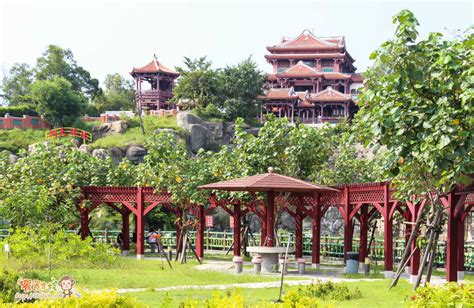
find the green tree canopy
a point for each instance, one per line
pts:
(16, 85)
(119, 94)
(57, 101)
(418, 104)
(57, 61)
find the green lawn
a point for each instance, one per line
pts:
(131, 273)
(374, 294)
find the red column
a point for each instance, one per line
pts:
(316, 239)
(388, 232)
(461, 243)
(200, 232)
(125, 231)
(140, 225)
(270, 228)
(415, 260)
(364, 219)
(237, 217)
(347, 224)
(84, 223)
(298, 235)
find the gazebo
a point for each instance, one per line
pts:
(271, 183)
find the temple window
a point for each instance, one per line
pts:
(310, 63)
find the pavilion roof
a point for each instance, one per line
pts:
(329, 95)
(267, 182)
(154, 67)
(300, 69)
(308, 41)
(304, 103)
(279, 94)
(305, 56)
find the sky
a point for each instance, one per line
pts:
(108, 36)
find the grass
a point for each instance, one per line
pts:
(374, 294)
(134, 135)
(131, 273)
(14, 140)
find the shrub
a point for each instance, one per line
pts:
(330, 291)
(18, 111)
(50, 247)
(448, 295)
(210, 112)
(97, 299)
(8, 285)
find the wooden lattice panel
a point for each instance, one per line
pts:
(470, 199)
(331, 199)
(366, 196)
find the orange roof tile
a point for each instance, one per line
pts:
(299, 70)
(267, 182)
(154, 67)
(357, 78)
(329, 95)
(336, 75)
(305, 56)
(306, 40)
(279, 94)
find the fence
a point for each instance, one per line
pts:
(331, 247)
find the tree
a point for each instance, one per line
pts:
(17, 85)
(418, 104)
(239, 87)
(43, 186)
(57, 101)
(57, 61)
(197, 82)
(119, 94)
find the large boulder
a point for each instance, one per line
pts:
(101, 153)
(12, 158)
(197, 137)
(117, 154)
(185, 119)
(107, 129)
(135, 154)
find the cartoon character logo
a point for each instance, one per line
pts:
(66, 283)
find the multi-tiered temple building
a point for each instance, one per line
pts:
(160, 80)
(313, 80)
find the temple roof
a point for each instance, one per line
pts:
(307, 40)
(329, 95)
(300, 69)
(304, 103)
(336, 75)
(154, 67)
(305, 56)
(357, 78)
(279, 94)
(267, 182)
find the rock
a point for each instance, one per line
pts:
(185, 119)
(12, 158)
(135, 153)
(107, 129)
(84, 148)
(197, 137)
(117, 154)
(101, 153)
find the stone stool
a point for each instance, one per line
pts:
(257, 264)
(283, 265)
(301, 265)
(238, 263)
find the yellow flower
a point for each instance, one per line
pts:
(401, 160)
(216, 173)
(179, 179)
(456, 122)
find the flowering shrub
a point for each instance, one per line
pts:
(8, 285)
(448, 295)
(97, 299)
(49, 247)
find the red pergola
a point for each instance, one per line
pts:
(300, 199)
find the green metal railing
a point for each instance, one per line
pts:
(332, 247)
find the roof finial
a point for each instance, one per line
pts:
(270, 169)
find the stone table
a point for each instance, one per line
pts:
(269, 255)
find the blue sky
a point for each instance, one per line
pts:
(114, 36)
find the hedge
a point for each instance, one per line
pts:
(18, 111)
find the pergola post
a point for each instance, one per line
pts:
(125, 231)
(461, 247)
(298, 235)
(414, 211)
(316, 224)
(237, 224)
(452, 241)
(388, 234)
(84, 223)
(364, 220)
(200, 231)
(270, 228)
(140, 225)
(347, 224)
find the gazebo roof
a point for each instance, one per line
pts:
(267, 182)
